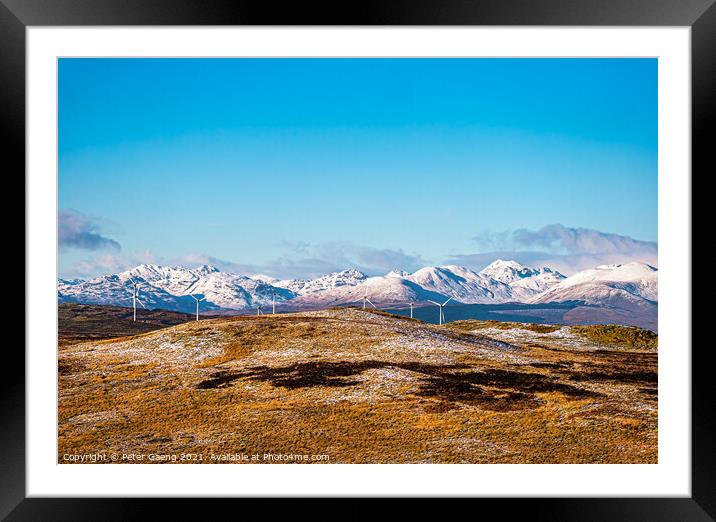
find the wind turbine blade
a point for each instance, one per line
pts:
(446, 302)
(371, 303)
(200, 300)
(436, 304)
(141, 303)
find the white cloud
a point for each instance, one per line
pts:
(301, 260)
(560, 239)
(109, 264)
(556, 246)
(566, 249)
(310, 260)
(80, 231)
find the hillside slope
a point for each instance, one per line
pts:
(356, 386)
(81, 322)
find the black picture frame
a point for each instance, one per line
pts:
(699, 15)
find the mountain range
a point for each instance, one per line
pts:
(616, 286)
(171, 287)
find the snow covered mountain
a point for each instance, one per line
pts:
(348, 277)
(618, 286)
(508, 271)
(432, 284)
(524, 282)
(501, 282)
(463, 284)
(116, 290)
(171, 288)
(382, 291)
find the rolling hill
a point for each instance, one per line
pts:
(354, 386)
(78, 322)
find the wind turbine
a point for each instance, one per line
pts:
(411, 310)
(258, 310)
(273, 302)
(366, 300)
(197, 305)
(442, 312)
(135, 297)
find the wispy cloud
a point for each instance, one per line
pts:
(195, 259)
(300, 260)
(562, 248)
(557, 246)
(77, 230)
(102, 264)
(309, 260)
(98, 265)
(560, 239)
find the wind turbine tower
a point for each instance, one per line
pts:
(411, 310)
(197, 305)
(135, 297)
(273, 302)
(441, 320)
(366, 300)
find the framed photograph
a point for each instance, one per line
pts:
(303, 253)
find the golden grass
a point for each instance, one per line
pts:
(359, 387)
(625, 336)
(474, 324)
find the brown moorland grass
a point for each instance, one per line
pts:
(358, 386)
(79, 322)
(598, 335)
(626, 336)
(475, 324)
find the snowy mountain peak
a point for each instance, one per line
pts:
(350, 273)
(508, 271)
(447, 272)
(631, 267)
(618, 272)
(349, 277)
(503, 263)
(151, 272)
(515, 274)
(615, 285)
(264, 278)
(207, 269)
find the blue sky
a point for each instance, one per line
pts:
(297, 166)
